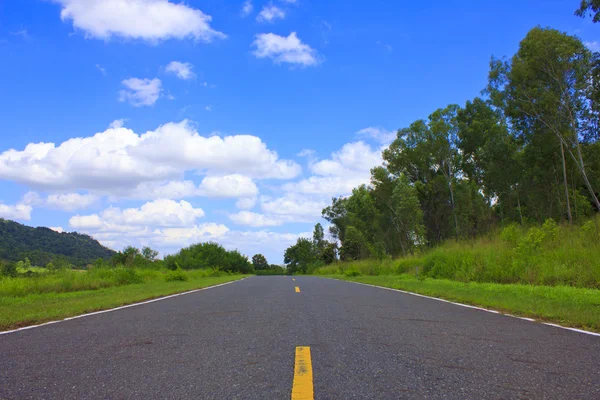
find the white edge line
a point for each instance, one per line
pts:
(479, 308)
(118, 308)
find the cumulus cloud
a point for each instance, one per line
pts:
(235, 185)
(270, 13)
(150, 20)
(247, 8)
(60, 201)
(19, 211)
(380, 134)
(283, 49)
(246, 203)
(295, 207)
(141, 92)
(158, 213)
(58, 229)
(117, 159)
(183, 70)
(337, 175)
(253, 219)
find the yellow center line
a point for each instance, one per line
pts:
(297, 289)
(302, 389)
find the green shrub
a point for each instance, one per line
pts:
(511, 235)
(352, 273)
(176, 276)
(589, 232)
(126, 276)
(8, 268)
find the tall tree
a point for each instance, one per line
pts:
(545, 88)
(589, 7)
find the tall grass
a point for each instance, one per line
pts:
(93, 279)
(550, 255)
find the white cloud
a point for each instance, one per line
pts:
(593, 46)
(19, 211)
(295, 207)
(117, 123)
(118, 159)
(327, 185)
(58, 229)
(60, 201)
(335, 176)
(161, 213)
(338, 175)
(246, 203)
(290, 1)
(283, 49)
(235, 185)
(270, 13)
(208, 108)
(183, 70)
(157, 190)
(254, 219)
(101, 69)
(151, 20)
(380, 134)
(247, 8)
(22, 33)
(70, 201)
(180, 237)
(141, 92)
(353, 158)
(386, 46)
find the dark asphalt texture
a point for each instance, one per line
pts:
(238, 342)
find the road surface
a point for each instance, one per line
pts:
(241, 341)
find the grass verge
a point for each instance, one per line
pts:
(565, 305)
(20, 311)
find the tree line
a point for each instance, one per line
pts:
(526, 151)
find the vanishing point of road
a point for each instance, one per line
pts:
(300, 338)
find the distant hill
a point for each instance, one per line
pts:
(43, 245)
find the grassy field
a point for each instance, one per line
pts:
(569, 306)
(32, 300)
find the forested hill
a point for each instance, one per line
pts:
(43, 245)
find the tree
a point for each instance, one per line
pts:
(544, 89)
(407, 215)
(298, 257)
(589, 7)
(260, 262)
(318, 238)
(149, 254)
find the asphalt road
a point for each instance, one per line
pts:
(238, 342)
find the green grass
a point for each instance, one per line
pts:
(552, 255)
(32, 300)
(565, 305)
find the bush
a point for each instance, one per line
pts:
(352, 273)
(8, 268)
(176, 276)
(126, 276)
(511, 235)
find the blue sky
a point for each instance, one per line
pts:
(153, 122)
